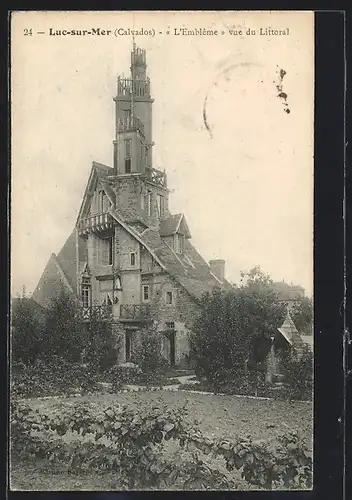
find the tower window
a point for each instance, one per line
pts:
(149, 203)
(160, 204)
(128, 154)
(127, 113)
(145, 293)
(128, 148)
(132, 259)
(128, 165)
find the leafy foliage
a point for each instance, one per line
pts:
(234, 331)
(133, 441)
(102, 343)
(64, 329)
(147, 354)
(302, 314)
(298, 375)
(44, 378)
(27, 332)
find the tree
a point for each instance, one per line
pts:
(235, 329)
(302, 314)
(102, 342)
(64, 329)
(26, 330)
(147, 353)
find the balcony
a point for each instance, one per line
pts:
(135, 312)
(156, 176)
(95, 223)
(137, 88)
(130, 124)
(97, 313)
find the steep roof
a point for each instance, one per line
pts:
(173, 224)
(189, 269)
(289, 331)
(60, 271)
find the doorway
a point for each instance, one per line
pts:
(172, 339)
(128, 345)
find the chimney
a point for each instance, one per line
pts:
(217, 267)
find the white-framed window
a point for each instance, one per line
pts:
(85, 292)
(145, 293)
(127, 114)
(179, 243)
(169, 298)
(133, 259)
(160, 205)
(106, 251)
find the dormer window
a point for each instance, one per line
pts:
(179, 243)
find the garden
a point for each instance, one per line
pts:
(91, 424)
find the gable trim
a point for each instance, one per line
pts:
(61, 272)
(133, 233)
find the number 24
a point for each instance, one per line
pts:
(27, 32)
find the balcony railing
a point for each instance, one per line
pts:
(130, 124)
(135, 312)
(156, 176)
(127, 86)
(95, 223)
(98, 313)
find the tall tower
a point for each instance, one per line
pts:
(140, 188)
(133, 138)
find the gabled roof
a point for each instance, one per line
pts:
(189, 269)
(173, 224)
(289, 331)
(99, 173)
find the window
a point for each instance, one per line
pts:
(133, 259)
(128, 154)
(149, 203)
(85, 292)
(145, 293)
(127, 113)
(106, 251)
(179, 243)
(170, 325)
(103, 202)
(169, 298)
(160, 204)
(128, 148)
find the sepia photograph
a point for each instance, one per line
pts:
(161, 329)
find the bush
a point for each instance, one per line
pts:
(298, 375)
(133, 443)
(127, 373)
(50, 378)
(27, 330)
(147, 355)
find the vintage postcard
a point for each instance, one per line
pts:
(162, 250)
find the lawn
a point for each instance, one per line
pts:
(217, 415)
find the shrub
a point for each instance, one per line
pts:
(50, 378)
(298, 375)
(27, 323)
(135, 442)
(147, 355)
(127, 373)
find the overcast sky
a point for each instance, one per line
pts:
(246, 188)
